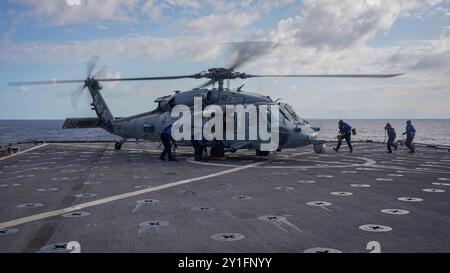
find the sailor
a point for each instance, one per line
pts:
(345, 132)
(391, 137)
(167, 140)
(410, 132)
(9, 150)
(198, 148)
(217, 150)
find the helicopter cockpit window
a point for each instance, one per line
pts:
(166, 103)
(283, 113)
(161, 98)
(282, 117)
(291, 113)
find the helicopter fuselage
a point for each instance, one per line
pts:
(293, 131)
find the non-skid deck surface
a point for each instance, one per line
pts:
(293, 201)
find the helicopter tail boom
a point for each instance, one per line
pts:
(104, 115)
(73, 123)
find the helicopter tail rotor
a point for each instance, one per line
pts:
(75, 96)
(90, 66)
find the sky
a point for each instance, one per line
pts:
(54, 39)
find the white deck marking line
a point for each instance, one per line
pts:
(24, 151)
(368, 163)
(53, 213)
(410, 170)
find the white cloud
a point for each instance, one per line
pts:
(221, 22)
(191, 48)
(59, 13)
(101, 27)
(333, 37)
(326, 37)
(156, 9)
(437, 55)
(342, 24)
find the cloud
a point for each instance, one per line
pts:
(434, 61)
(327, 37)
(319, 37)
(65, 12)
(437, 55)
(191, 48)
(153, 9)
(343, 24)
(334, 37)
(156, 9)
(101, 27)
(221, 22)
(60, 13)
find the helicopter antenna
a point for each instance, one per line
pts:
(240, 87)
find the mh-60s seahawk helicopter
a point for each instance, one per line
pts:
(293, 130)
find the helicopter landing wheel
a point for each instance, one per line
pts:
(262, 153)
(319, 148)
(118, 145)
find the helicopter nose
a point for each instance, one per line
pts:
(302, 136)
(312, 136)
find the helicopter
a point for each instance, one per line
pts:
(293, 130)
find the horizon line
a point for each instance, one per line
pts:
(426, 118)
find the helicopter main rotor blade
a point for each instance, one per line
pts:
(328, 76)
(105, 80)
(247, 51)
(44, 82)
(150, 78)
(206, 83)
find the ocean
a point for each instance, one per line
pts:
(429, 131)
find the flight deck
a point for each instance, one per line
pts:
(292, 201)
